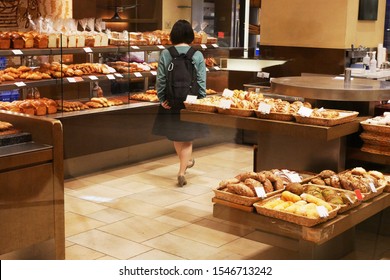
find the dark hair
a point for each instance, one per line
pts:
(182, 32)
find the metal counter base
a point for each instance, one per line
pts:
(330, 240)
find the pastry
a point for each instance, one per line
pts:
(41, 41)
(5, 41)
(28, 40)
(17, 40)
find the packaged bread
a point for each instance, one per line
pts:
(28, 40)
(5, 41)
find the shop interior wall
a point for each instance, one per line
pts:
(313, 35)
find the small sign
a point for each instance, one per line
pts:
(322, 211)
(17, 52)
(372, 187)
(135, 47)
(111, 77)
(161, 47)
(207, 70)
(88, 50)
(264, 108)
(304, 111)
(93, 78)
(20, 84)
(154, 73)
(215, 45)
(138, 74)
(203, 46)
(292, 176)
(118, 75)
(227, 93)
(225, 103)
(191, 99)
(217, 68)
(359, 195)
(260, 192)
(71, 80)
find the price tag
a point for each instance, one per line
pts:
(264, 108)
(207, 70)
(260, 192)
(321, 109)
(191, 99)
(372, 187)
(20, 84)
(135, 47)
(322, 211)
(161, 47)
(78, 79)
(88, 50)
(227, 93)
(304, 111)
(217, 68)
(138, 74)
(111, 77)
(292, 176)
(215, 45)
(203, 46)
(154, 73)
(93, 78)
(359, 195)
(118, 75)
(71, 80)
(225, 103)
(17, 52)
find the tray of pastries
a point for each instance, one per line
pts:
(149, 96)
(327, 117)
(305, 209)
(281, 110)
(378, 124)
(207, 104)
(344, 198)
(249, 187)
(369, 183)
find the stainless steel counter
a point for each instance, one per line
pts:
(332, 88)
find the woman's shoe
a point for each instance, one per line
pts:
(181, 180)
(191, 163)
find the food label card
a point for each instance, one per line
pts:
(225, 104)
(264, 108)
(227, 93)
(260, 192)
(322, 211)
(359, 195)
(304, 111)
(191, 99)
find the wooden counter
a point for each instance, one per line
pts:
(330, 240)
(288, 145)
(32, 191)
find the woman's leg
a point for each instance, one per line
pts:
(184, 151)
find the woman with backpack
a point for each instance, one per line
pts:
(181, 72)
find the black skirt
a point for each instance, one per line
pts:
(168, 124)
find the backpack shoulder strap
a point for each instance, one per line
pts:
(190, 53)
(173, 51)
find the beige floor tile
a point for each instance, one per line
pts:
(99, 178)
(178, 219)
(153, 180)
(205, 235)
(231, 228)
(77, 252)
(137, 207)
(204, 199)
(156, 255)
(76, 183)
(99, 193)
(107, 258)
(274, 253)
(109, 215)
(182, 247)
(75, 224)
(81, 206)
(192, 208)
(245, 247)
(160, 196)
(109, 244)
(225, 255)
(193, 188)
(135, 187)
(68, 243)
(137, 229)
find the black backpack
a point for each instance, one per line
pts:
(181, 77)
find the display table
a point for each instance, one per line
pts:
(290, 145)
(32, 191)
(330, 240)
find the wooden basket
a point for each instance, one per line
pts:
(200, 107)
(275, 116)
(376, 149)
(236, 112)
(348, 116)
(374, 139)
(375, 128)
(235, 198)
(290, 217)
(343, 207)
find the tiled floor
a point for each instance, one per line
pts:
(138, 212)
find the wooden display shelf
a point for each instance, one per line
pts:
(329, 240)
(357, 154)
(279, 127)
